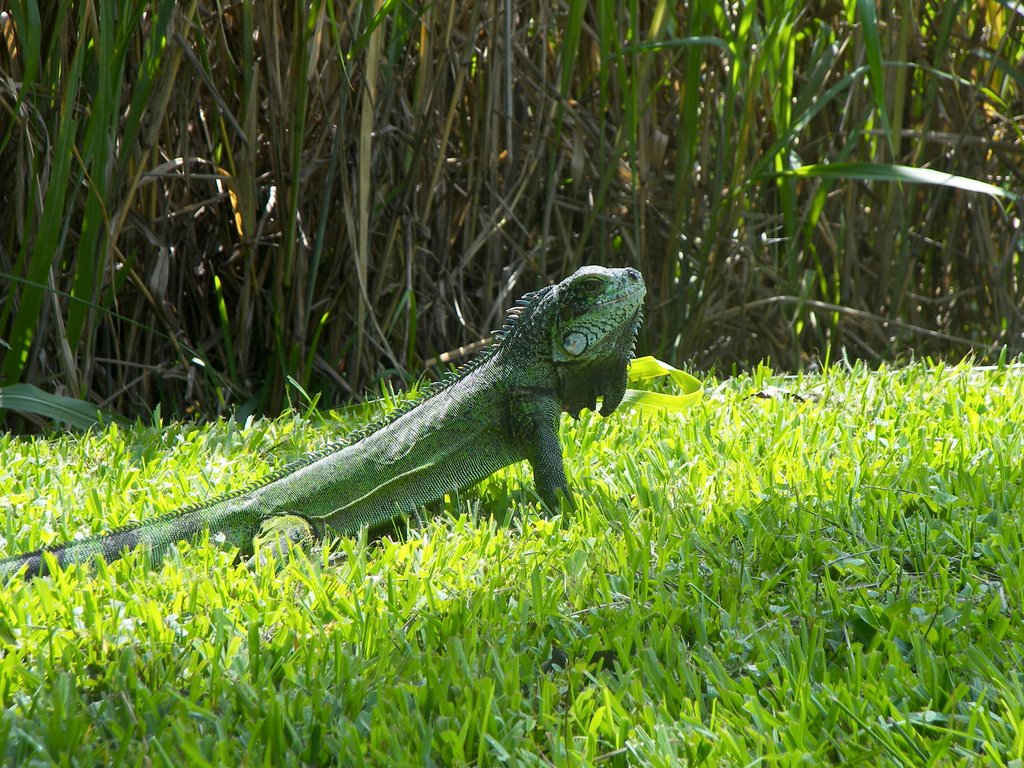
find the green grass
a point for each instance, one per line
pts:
(760, 581)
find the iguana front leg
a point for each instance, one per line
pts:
(278, 535)
(535, 418)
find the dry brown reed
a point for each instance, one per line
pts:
(204, 199)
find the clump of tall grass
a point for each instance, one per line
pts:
(203, 202)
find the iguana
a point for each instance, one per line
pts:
(560, 349)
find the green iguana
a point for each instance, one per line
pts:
(560, 349)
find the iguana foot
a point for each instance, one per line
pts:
(556, 501)
(278, 536)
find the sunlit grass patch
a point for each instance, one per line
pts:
(823, 569)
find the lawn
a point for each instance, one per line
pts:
(827, 572)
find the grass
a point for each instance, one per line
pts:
(833, 580)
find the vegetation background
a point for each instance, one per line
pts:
(207, 205)
(204, 199)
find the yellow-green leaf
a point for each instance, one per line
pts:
(647, 368)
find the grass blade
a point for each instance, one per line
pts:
(40, 255)
(80, 414)
(901, 174)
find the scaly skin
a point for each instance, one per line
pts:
(562, 347)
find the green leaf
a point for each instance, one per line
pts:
(873, 51)
(899, 173)
(647, 368)
(28, 398)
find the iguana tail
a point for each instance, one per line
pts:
(155, 536)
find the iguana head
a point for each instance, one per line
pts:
(581, 332)
(596, 318)
(592, 316)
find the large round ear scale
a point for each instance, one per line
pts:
(575, 343)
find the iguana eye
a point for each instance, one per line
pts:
(591, 285)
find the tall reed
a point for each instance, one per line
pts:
(203, 200)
